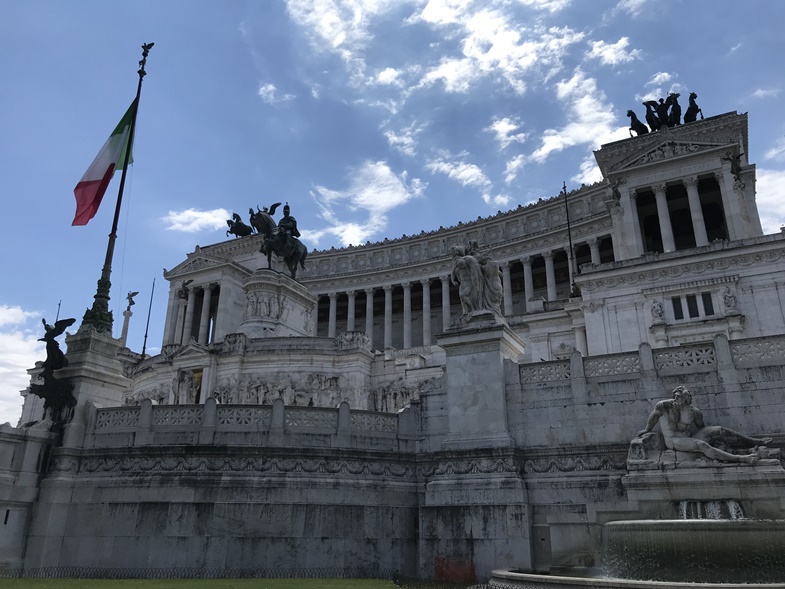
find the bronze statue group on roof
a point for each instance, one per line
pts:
(665, 113)
(279, 239)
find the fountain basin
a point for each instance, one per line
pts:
(509, 579)
(696, 551)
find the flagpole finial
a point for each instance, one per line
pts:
(145, 52)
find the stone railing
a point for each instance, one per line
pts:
(238, 424)
(680, 360)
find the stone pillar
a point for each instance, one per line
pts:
(182, 297)
(594, 246)
(664, 218)
(445, 302)
(172, 307)
(506, 282)
(333, 313)
(350, 311)
(407, 315)
(476, 383)
(528, 283)
(127, 314)
(698, 224)
(632, 245)
(426, 312)
(730, 204)
(189, 317)
(388, 315)
(369, 314)
(581, 343)
(204, 323)
(550, 275)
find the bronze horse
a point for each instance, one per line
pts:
(636, 125)
(692, 110)
(274, 241)
(237, 227)
(675, 116)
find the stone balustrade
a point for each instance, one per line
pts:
(274, 425)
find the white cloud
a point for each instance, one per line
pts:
(340, 26)
(406, 141)
(504, 129)
(592, 121)
(267, 92)
(192, 220)
(513, 168)
(501, 200)
(631, 7)
(735, 48)
(589, 172)
(659, 78)
(766, 93)
(493, 45)
(374, 190)
(388, 77)
(441, 13)
(19, 350)
(777, 152)
(465, 174)
(770, 189)
(549, 5)
(613, 54)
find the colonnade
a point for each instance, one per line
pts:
(192, 313)
(517, 298)
(630, 196)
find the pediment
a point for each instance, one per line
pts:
(198, 262)
(191, 350)
(668, 150)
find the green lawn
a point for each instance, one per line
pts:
(196, 584)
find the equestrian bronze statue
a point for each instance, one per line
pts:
(280, 239)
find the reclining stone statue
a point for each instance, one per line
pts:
(678, 415)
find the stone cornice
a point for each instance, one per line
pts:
(650, 269)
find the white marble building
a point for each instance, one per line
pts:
(352, 419)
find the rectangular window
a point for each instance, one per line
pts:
(692, 306)
(708, 306)
(678, 313)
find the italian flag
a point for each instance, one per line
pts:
(93, 185)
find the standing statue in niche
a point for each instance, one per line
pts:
(280, 240)
(479, 280)
(677, 416)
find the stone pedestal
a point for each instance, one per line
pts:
(475, 517)
(94, 368)
(477, 408)
(277, 306)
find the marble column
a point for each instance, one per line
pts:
(189, 317)
(696, 213)
(730, 204)
(594, 247)
(172, 309)
(350, 311)
(664, 218)
(331, 323)
(550, 275)
(369, 313)
(388, 316)
(204, 323)
(632, 245)
(426, 312)
(407, 314)
(445, 302)
(507, 284)
(528, 283)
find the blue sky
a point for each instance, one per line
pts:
(372, 118)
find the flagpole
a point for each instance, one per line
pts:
(99, 317)
(147, 327)
(569, 237)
